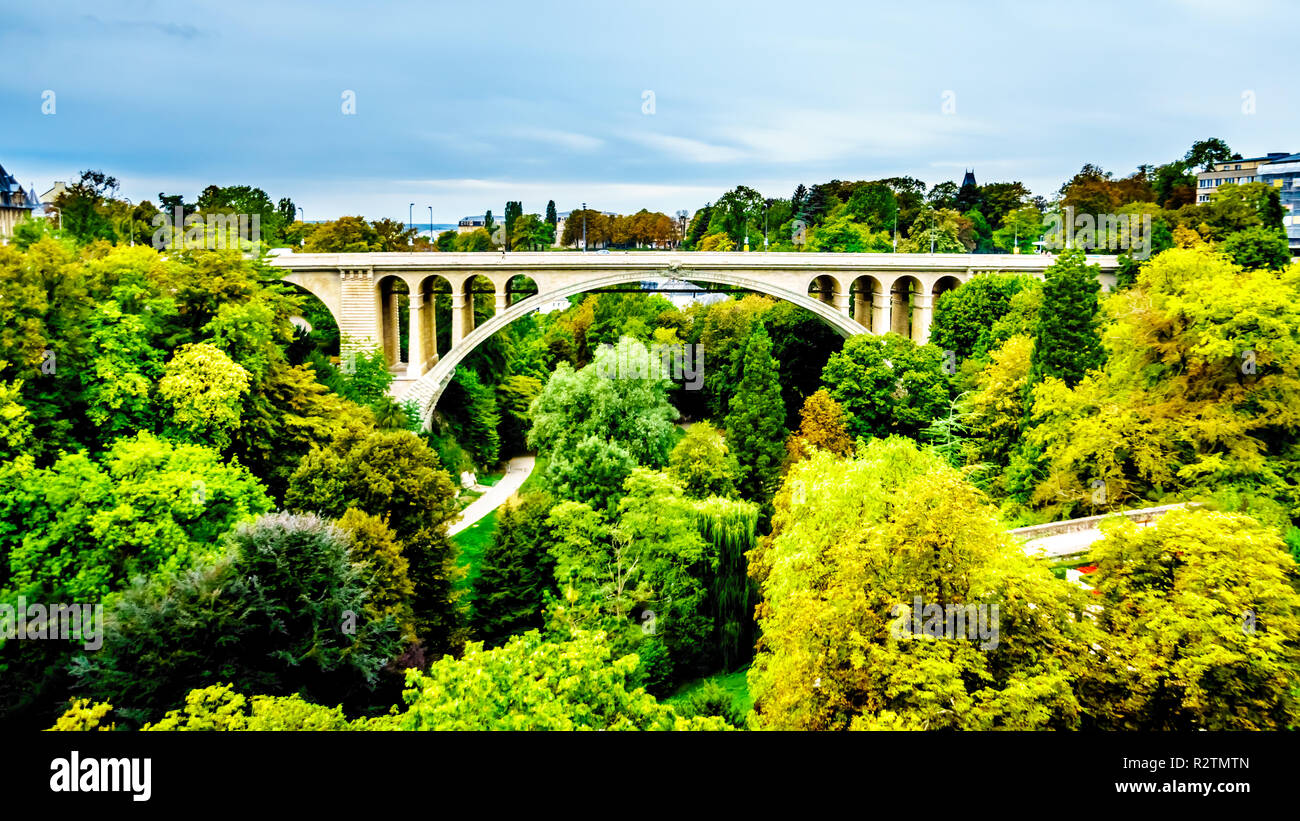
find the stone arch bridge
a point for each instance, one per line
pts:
(853, 293)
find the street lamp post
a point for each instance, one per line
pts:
(767, 205)
(410, 209)
(584, 227)
(430, 227)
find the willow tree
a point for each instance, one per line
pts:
(731, 528)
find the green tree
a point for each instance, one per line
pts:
(1200, 613)
(204, 390)
(1068, 341)
(702, 464)
(80, 530)
(516, 572)
(730, 528)
(477, 410)
(281, 612)
(614, 398)
(384, 571)
(756, 421)
(1205, 153)
(841, 234)
(842, 572)
(532, 684)
(1258, 247)
(1198, 396)
(393, 474)
(887, 385)
(346, 234)
(964, 317)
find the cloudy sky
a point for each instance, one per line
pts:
(624, 105)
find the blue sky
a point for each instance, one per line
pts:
(463, 106)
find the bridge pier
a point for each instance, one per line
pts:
(457, 318)
(880, 313)
(922, 313)
(357, 309)
(415, 344)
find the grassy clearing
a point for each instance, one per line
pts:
(536, 480)
(734, 683)
(471, 543)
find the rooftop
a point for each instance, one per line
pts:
(12, 194)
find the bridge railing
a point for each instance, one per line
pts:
(1140, 516)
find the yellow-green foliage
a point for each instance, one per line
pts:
(1201, 390)
(220, 708)
(529, 684)
(81, 715)
(532, 684)
(205, 389)
(854, 538)
(1203, 624)
(385, 570)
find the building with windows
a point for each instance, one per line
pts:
(15, 203)
(468, 224)
(1283, 173)
(1239, 171)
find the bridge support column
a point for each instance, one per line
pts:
(392, 312)
(358, 309)
(922, 311)
(415, 336)
(862, 309)
(880, 315)
(500, 303)
(899, 313)
(457, 318)
(841, 302)
(467, 316)
(431, 310)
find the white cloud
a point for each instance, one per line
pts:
(565, 139)
(686, 148)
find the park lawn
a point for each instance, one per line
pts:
(471, 543)
(734, 683)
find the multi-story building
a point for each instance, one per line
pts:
(468, 224)
(1283, 173)
(15, 203)
(1234, 171)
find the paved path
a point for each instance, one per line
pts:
(517, 470)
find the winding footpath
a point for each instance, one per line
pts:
(517, 470)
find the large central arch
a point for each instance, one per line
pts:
(428, 389)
